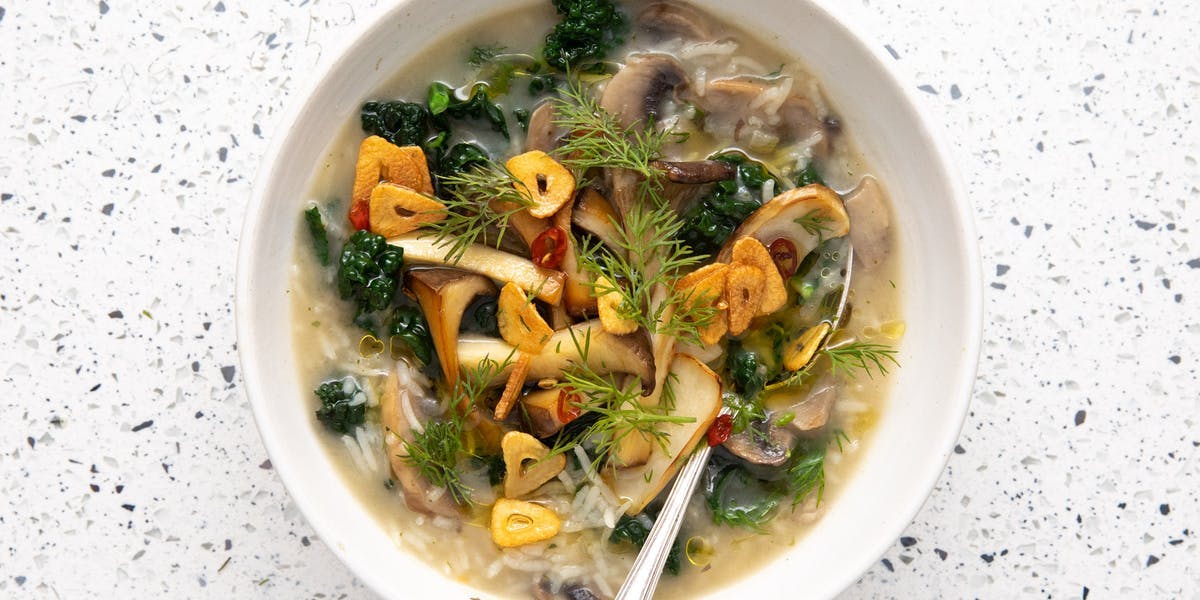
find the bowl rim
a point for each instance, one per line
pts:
(962, 216)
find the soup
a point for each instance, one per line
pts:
(557, 254)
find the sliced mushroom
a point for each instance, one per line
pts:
(698, 396)
(811, 405)
(606, 353)
(869, 212)
(397, 409)
(669, 20)
(499, 265)
(815, 204)
(594, 214)
(578, 300)
(541, 411)
(543, 133)
(763, 443)
(635, 94)
(696, 171)
(739, 107)
(444, 295)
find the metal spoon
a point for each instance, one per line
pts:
(642, 579)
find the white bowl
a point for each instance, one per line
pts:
(941, 293)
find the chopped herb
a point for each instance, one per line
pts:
(861, 356)
(588, 30)
(481, 198)
(408, 326)
(635, 530)
(316, 230)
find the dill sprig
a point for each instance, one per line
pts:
(618, 408)
(815, 223)
(477, 200)
(598, 140)
(861, 356)
(436, 449)
(806, 474)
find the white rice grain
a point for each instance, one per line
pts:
(356, 454)
(692, 51)
(768, 190)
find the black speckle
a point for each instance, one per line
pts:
(1164, 509)
(1040, 147)
(1001, 270)
(107, 209)
(94, 487)
(908, 542)
(1151, 561)
(1121, 505)
(32, 442)
(304, 540)
(266, 465)
(199, 414)
(79, 118)
(103, 7)
(116, 314)
(942, 554)
(1, 19)
(228, 544)
(892, 51)
(142, 425)
(227, 372)
(1145, 225)
(95, 387)
(128, 507)
(157, 36)
(108, 172)
(958, 449)
(120, 488)
(195, 366)
(1028, 231)
(955, 93)
(1080, 417)
(1174, 358)
(1194, 263)
(5, 197)
(888, 565)
(206, 325)
(222, 152)
(1086, 591)
(20, 579)
(928, 89)
(999, 286)
(988, 558)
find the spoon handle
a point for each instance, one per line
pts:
(647, 568)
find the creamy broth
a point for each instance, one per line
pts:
(329, 345)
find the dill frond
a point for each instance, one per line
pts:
(815, 223)
(861, 356)
(478, 199)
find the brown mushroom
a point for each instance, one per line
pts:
(763, 443)
(726, 103)
(815, 204)
(577, 299)
(636, 92)
(398, 429)
(444, 295)
(696, 171)
(868, 211)
(606, 353)
(543, 133)
(668, 20)
(594, 214)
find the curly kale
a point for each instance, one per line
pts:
(460, 157)
(401, 123)
(712, 220)
(343, 404)
(368, 271)
(635, 530)
(408, 324)
(808, 175)
(444, 103)
(316, 230)
(588, 30)
(743, 364)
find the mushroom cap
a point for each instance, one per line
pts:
(444, 295)
(794, 118)
(635, 94)
(777, 219)
(543, 134)
(667, 20)
(763, 444)
(867, 209)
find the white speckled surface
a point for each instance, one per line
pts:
(129, 136)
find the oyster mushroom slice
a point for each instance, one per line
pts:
(790, 119)
(485, 260)
(594, 214)
(818, 206)
(578, 300)
(698, 396)
(606, 353)
(544, 134)
(867, 209)
(668, 20)
(811, 404)
(763, 444)
(396, 409)
(696, 171)
(444, 295)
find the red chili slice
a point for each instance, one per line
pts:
(720, 430)
(783, 252)
(549, 248)
(568, 407)
(360, 215)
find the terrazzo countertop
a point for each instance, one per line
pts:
(130, 135)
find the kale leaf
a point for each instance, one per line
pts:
(743, 364)
(708, 223)
(444, 103)
(401, 123)
(368, 271)
(408, 324)
(460, 157)
(588, 30)
(339, 411)
(316, 229)
(635, 530)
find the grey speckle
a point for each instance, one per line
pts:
(892, 51)
(103, 7)
(1145, 225)
(928, 89)
(1194, 263)
(107, 209)
(1080, 417)
(227, 372)
(955, 93)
